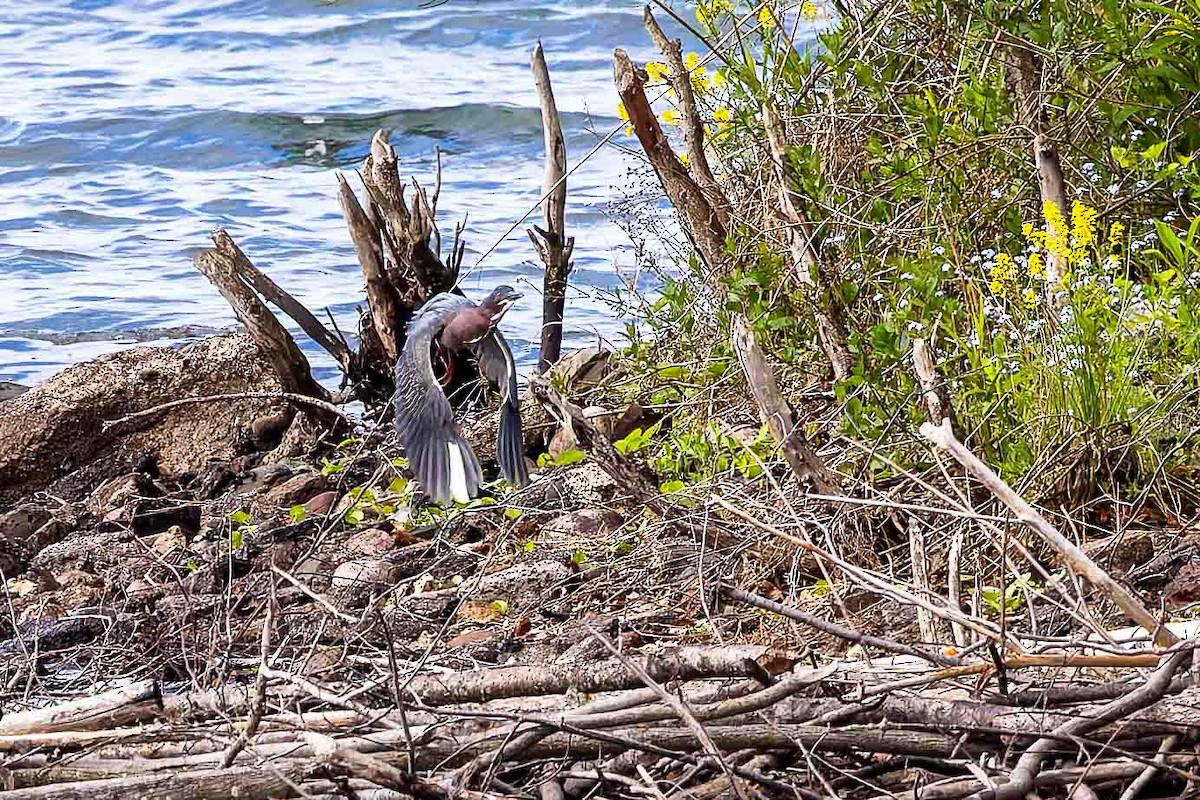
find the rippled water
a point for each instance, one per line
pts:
(128, 131)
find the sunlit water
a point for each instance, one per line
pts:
(128, 131)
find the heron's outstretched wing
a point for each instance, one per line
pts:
(497, 365)
(443, 461)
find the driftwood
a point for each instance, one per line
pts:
(554, 247)
(233, 274)
(1075, 558)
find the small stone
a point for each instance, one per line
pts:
(372, 572)
(116, 494)
(371, 542)
(171, 539)
(589, 522)
(296, 490)
(319, 506)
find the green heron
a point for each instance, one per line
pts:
(443, 461)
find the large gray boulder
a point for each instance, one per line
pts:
(56, 429)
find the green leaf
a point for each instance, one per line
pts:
(579, 557)
(513, 513)
(397, 486)
(354, 515)
(297, 514)
(544, 461)
(671, 487)
(568, 457)
(237, 538)
(240, 517)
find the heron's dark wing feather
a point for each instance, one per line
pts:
(424, 418)
(497, 365)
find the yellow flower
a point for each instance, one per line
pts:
(707, 12)
(657, 71)
(1003, 276)
(683, 159)
(623, 114)
(1029, 299)
(766, 18)
(809, 11)
(1083, 231)
(697, 73)
(1116, 232)
(1037, 267)
(1057, 237)
(718, 78)
(670, 117)
(1026, 229)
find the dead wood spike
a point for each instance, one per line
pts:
(231, 272)
(554, 247)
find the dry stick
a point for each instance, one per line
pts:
(878, 583)
(805, 463)
(1142, 781)
(702, 210)
(693, 126)
(290, 397)
(259, 700)
(943, 436)
(114, 707)
(1021, 780)
(1096, 773)
(677, 705)
(316, 330)
(226, 267)
(835, 629)
(807, 267)
(933, 386)
(554, 247)
(701, 221)
(1023, 74)
(381, 295)
(418, 270)
(920, 577)
(377, 771)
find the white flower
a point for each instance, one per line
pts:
(997, 194)
(907, 276)
(878, 296)
(946, 267)
(939, 250)
(1152, 121)
(1113, 188)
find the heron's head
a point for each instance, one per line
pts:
(499, 301)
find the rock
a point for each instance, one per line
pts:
(55, 429)
(354, 582)
(589, 522)
(115, 493)
(371, 542)
(9, 390)
(525, 586)
(296, 490)
(319, 506)
(24, 531)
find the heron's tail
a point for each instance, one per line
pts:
(510, 449)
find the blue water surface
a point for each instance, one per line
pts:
(129, 130)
